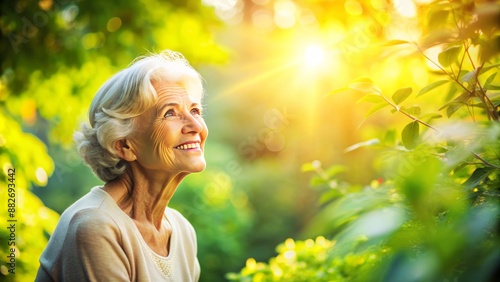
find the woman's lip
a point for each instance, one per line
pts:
(188, 142)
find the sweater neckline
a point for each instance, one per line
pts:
(163, 263)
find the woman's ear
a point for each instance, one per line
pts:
(124, 150)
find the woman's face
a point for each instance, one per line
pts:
(171, 135)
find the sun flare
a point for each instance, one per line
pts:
(314, 55)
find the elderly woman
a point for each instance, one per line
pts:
(146, 134)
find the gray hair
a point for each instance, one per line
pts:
(122, 98)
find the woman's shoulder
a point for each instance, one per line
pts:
(92, 219)
(84, 222)
(94, 212)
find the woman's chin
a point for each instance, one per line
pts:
(198, 167)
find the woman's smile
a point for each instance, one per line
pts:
(190, 146)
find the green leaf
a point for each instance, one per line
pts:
(452, 108)
(366, 87)
(401, 94)
(452, 91)
(317, 181)
(491, 47)
(390, 137)
(462, 99)
(307, 167)
(337, 91)
(334, 170)
(371, 98)
(449, 55)
(437, 18)
(495, 101)
(488, 81)
(494, 87)
(330, 195)
(409, 135)
(431, 86)
(485, 69)
(376, 108)
(413, 110)
(436, 37)
(456, 104)
(477, 176)
(469, 77)
(430, 116)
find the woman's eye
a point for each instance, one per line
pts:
(196, 111)
(170, 113)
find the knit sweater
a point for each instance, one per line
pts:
(96, 241)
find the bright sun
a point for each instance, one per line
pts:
(314, 55)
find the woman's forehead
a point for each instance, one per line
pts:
(173, 91)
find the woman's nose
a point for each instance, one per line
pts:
(192, 124)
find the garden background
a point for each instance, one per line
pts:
(349, 140)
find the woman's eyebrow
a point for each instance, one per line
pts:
(176, 105)
(161, 109)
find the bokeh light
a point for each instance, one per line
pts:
(405, 8)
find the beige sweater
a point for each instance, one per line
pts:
(96, 241)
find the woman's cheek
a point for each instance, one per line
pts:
(162, 150)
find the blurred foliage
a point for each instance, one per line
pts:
(433, 214)
(308, 260)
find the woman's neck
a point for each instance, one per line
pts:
(144, 195)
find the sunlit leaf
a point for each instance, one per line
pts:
(485, 69)
(477, 176)
(334, 170)
(330, 195)
(490, 48)
(430, 116)
(462, 99)
(469, 77)
(437, 18)
(437, 37)
(371, 98)
(493, 87)
(390, 137)
(495, 101)
(431, 86)
(308, 167)
(363, 79)
(452, 91)
(413, 110)
(367, 143)
(395, 42)
(452, 108)
(317, 181)
(401, 94)
(376, 108)
(338, 91)
(366, 87)
(488, 81)
(456, 104)
(410, 134)
(449, 55)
